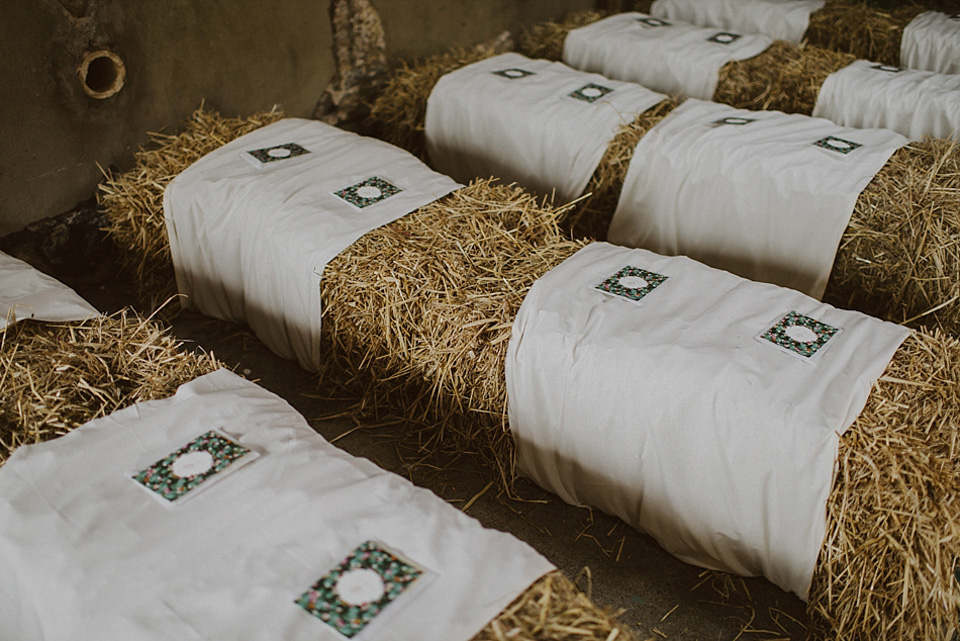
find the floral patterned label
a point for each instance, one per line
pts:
(839, 145)
(590, 92)
(512, 74)
(631, 283)
(351, 595)
(367, 192)
(653, 22)
(724, 37)
(800, 334)
(181, 471)
(734, 120)
(278, 152)
(887, 68)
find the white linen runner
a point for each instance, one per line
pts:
(697, 406)
(26, 292)
(931, 42)
(780, 19)
(910, 102)
(250, 237)
(668, 56)
(763, 194)
(87, 554)
(540, 124)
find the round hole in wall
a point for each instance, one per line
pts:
(101, 73)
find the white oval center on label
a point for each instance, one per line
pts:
(634, 282)
(801, 334)
(356, 587)
(192, 463)
(840, 144)
(724, 37)
(513, 73)
(279, 152)
(369, 191)
(591, 92)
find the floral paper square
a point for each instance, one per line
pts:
(724, 37)
(183, 470)
(839, 145)
(590, 92)
(278, 152)
(355, 592)
(631, 283)
(367, 192)
(513, 73)
(800, 334)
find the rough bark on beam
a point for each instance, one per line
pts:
(360, 59)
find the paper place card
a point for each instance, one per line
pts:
(367, 192)
(590, 92)
(513, 74)
(260, 157)
(632, 283)
(351, 595)
(800, 335)
(839, 145)
(198, 463)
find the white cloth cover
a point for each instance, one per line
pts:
(531, 128)
(250, 240)
(931, 42)
(910, 102)
(87, 554)
(671, 414)
(780, 19)
(673, 57)
(760, 199)
(26, 292)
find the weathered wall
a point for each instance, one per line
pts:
(237, 55)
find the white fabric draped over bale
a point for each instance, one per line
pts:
(675, 414)
(668, 56)
(910, 102)
(537, 123)
(250, 238)
(763, 194)
(780, 19)
(87, 554)
(26, 292)
(931, 42)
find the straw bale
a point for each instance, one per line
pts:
(553, 609)
(545, 40)
(886, 569)
(866, 32)
(133, 200)
(785, 77)
(56, 377)
(399, 112)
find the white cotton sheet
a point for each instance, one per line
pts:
(668, 56)
(910, 102)
(780, 19)
(540, 124)
(672, 413)
(27, 293)
(931, 42)
(250, 240)
(763, 199)
(87, 554)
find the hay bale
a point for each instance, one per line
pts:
(785, 77)
(55, 377)
(133, 200)
(545, 40)
(401, 109)
(425, 305)
(899, 257)
(866, 32)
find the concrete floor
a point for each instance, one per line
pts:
(662, 598)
